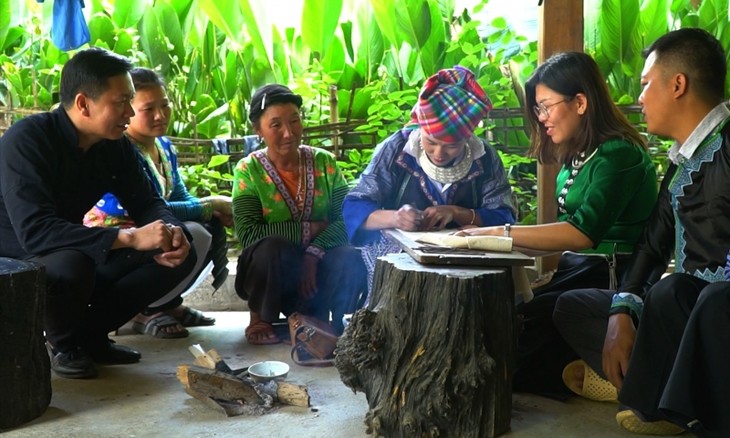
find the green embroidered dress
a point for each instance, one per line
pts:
(262, 206)
(611, 196)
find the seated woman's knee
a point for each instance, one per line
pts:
(201, 237)
(275, 244)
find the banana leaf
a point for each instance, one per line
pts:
(225, 15)
(125, 43)
(372, 47)
(434, 48)
(262, 41)
(711, 13)
(334, 61)
(128, 13)
(101, 28)
(619, 21)
(4, 22)
(161, 37)
(281, 60)
(347, 38)
(654, 21)
(319, 22)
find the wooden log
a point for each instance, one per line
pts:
(210, 359)
(434, 350)
(221, 387)
(217, 384)
(286, 393)
(25, 368)
(227, 407)
(292, 395)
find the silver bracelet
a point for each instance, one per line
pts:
(507, 229)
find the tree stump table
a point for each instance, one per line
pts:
(25, 369)
(434, 350)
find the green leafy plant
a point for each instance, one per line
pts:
(623, 28)
(377, 53)
(521, 176)
(212, 178)
(356, 162)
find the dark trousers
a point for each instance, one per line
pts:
(581, 317)
(269, 272)
(85, 302)
(541, 351)
(678, 366)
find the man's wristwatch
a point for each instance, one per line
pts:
(507, 229)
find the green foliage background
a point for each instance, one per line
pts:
(377, 53)
(215, 52)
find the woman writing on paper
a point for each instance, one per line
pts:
(432, 174)
(606, 189)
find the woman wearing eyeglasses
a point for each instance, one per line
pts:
(605, 191)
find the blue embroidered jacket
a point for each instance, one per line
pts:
(394, 178)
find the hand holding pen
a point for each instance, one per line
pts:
(408, 218)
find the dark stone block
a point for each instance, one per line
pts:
(25, 370)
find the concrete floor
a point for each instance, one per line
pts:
(146, 399)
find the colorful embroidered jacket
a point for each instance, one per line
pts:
(262, 206)
(394, 178)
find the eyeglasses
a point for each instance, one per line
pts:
(544, 110)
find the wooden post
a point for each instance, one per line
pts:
(560, 28)
(334, 118)
(24, 364)
(196, 144)
(434, 350)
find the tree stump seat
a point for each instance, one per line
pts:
(434, 350)
(25, 369)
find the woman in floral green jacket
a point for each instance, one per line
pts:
(287, 208)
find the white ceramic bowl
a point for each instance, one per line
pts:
(268, 370)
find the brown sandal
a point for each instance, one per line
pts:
(255, 331)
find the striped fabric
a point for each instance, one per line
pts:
(262, 206)
(249, 209)
(450, 105)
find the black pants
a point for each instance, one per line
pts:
(581, 318)
(542, 353)
(678, 366)
(269, 271)
(85, 302)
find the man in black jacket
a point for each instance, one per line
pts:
(665, 344)
(53, 167)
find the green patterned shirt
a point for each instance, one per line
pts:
(262, 206)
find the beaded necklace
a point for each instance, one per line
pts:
(446, 175)
(576, 165)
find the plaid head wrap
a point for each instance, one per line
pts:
(450, 105)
